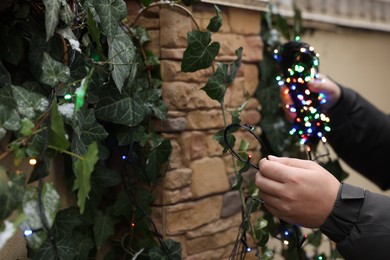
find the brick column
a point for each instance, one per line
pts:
(195, 204)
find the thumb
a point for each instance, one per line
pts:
(293, 162)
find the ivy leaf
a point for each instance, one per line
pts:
(141, 34)
(200, 53)
(233, 68)
(103, 228)
(29, 104)
(159, 155)
(9, 119)
(122, 205)
(110, 12)
(121, 53)
(27, 126)
(57, 136)
(216, 85)
(146, 3)
(83, 168)
(215, 22)
(51, 203)
(189, 2)
(65, 247)
(86, 130)
(66, 13)
(52, 10)
(219, 137)
(10, 200)
(160, 110)
(53, 71)
(127, 135)
(121, 108)
(105, 177)
(173, 247)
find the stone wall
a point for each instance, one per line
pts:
(195, 204)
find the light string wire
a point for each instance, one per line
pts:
(41, 168)
(127, 186)
(241, 237)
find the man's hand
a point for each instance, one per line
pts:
(297, 191)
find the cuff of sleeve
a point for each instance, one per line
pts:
(345, 212)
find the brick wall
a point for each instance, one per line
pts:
(195, 204)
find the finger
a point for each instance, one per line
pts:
(293, 162)
(268, 186)
(274, 170)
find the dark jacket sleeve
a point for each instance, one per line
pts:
(360, 224)
(360, 220)
(360, 135)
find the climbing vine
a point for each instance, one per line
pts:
(78, 92)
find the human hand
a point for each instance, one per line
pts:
(322, 85)
(327, 87)
(297, 191)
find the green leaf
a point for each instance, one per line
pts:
(160, 110)
(173, 248)
(146, 3)
(50, 204)
(57, 136)
(66, 14)
(105, 177)
(9, 118)
(52, 10)
(83, 168)
(82, 90)
(127, 135)
(215, 22)
(86, 130)
(121, 108)
(121, 53)
(122, 205)
(156, 158)
(217, 84)
(141, 34)
(103, 228)
(13, 198)
(189, 2)
(29, 104)
(233, 68)
(110, 12)
(94, 32)
(200, 53)
(53, 71)
(27, 126)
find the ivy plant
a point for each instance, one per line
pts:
(78, 92)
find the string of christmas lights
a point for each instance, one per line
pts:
(299, 65)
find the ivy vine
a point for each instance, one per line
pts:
(78, 92)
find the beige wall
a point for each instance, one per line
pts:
(358, 59)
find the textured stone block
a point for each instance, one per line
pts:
(177, 179)
(231, 204)
(187, 216)
(201, 119)
(208, 177)
(243, 21)
(174, 26)
(185, 96)
(213, 241)
(171, 71)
